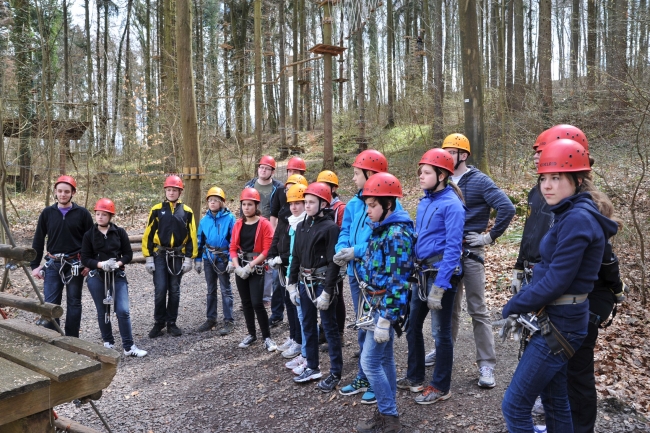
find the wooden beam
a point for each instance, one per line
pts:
(135, 238)
(38, 422)
(68, 425)
(91, 350)
(30, 330)
(19, 254)
(31, 305)
(16, 380)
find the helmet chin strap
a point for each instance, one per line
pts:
(458, 161)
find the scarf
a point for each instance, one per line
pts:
(294, 220)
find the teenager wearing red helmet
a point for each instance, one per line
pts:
(63, 224)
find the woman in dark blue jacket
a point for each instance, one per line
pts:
(571, 253)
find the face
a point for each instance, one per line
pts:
(428, 177)
(297, 207)
(214, 203)
(556, 187)
(359, 178)
(102, 218)
(64, 193)
(538, 153)
(264, 172)
(291, 172)
(313, 205)
(172, 194)
(373, 209)
(457, 155)
(248, 207)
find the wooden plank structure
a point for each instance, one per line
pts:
(61, 129)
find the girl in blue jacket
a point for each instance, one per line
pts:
(213, 237)
(439, 226)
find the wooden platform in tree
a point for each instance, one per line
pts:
(334, 50)
(340, 80)
(60, 129)
(226, 46)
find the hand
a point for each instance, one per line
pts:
(476, 239)
(382, 330)
(36, 273)
(275, 262)
(149, 265)
(187, 265)
(294, 295)
(434, 300)
(243, 272)
(620, 296)
(517, 279)
(85, 272)
(344, 256)
(509, 327)
(198, 266)
(323, 301)
(107, 265)
(230, 268)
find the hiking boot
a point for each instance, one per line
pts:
(208, 325)
(157, 329)
(405, 383)
(307, 375)
(228, 326)
(284, 346)
(430, 359)
(293, 351)
(295, 362)
(358, 385)
(250, 339)
(356, 354)
(174, 330)
(486, 379)
(538, 407)
(275, 322)
(368, 397)
(109, 345)
(391, 424)
(134, 351)
(329, 383)
(432, 395)
(270, 345)
(371, 424)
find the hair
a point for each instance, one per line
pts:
(332, 186)
(445, 182)
(387, 202)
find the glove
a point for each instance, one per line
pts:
(476, 239)
(434, 300)
(294, 295)
(509, 327)
(382, 330)
(243, 272)
(344, 256)
(323, 301)
(620, 296)
(275, 262)
(109, 265)
(198, 266)
(149, 265)
(187, 265)
(230, 268)
(517, 279)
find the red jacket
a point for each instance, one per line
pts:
(263, 237)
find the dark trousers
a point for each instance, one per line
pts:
(295, 331)
(167, 288)
(121, 305)
(277, 299)
(251, 292)
(340, 309)
(53, 293)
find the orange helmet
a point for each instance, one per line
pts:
(296, 192)
(296, 163)
(438, 158)
(329, 177)
(320, 190)
(562, 131)
(563, 156)
(297, 178)
(267, 160)
(457, 141)
(372, 160)
(382, 185)
(66, 179)
(173, 181)
(250, 194)
(216, 191)
(105, 205)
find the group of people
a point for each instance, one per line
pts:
(294, 243)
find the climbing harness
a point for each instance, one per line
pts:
(175, 255)
(70, 265)
(246, 258)
(219, 255)
(368, 303)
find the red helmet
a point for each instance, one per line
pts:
(250, 194)
(383, 185)
(563, 156)
(173, 181)
(267, 160)
(321, 190)
(105, 205)
(438, 158)
(562, 131)
(66, 179)
(371, 160)
(295, 163)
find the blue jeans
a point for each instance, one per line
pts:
(303, 346)
(167, 288)
(310, 328)
(121, 301)
(441, 331)
(211, 278)
(379, 364)
(542, 373)
(277, 299)
(53, 293)
(361, 334)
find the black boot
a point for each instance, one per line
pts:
(157, 329)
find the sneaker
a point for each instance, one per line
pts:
(270, 345)
(391, 424)
(293, 351)
(284, 346)
(486, 379)
(250, 339)
(227, 328)
(134, 351)
(430, 359)
(432, 395)
(295, 362)
(329, 383)
(368, 397)
(174, 330)
(300, 369)
(538, 407)
(208, 325)
(109, 345)
(157, 329)
(275, 322)
(370, 425)
(539, 428)
(307, 375)
(358, 385)
(405, 383)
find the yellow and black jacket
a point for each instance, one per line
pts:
(170, 226)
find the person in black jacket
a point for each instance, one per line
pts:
(64, 224)
(312, 265)
(105, 250)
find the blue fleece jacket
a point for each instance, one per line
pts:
(572, 252)
(439, 226)
(388, 262)
(355, 229)
(215, 230)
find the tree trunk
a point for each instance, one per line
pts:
(105, 130)
(361, 91)
(591, 47)
(118, 85)
(328, 144)
(259, 121)
(90, 92)
(616, 54)
(390, 47)
(544, 59)
(518, 92)
(510, 41)
(294, 109)
(575, 41)
(270, 95)
(148, 81)
(494, 55)
(283, 83)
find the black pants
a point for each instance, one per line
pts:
(581, 381)
(251, 292)
(340, 309)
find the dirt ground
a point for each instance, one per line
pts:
(202, 382)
